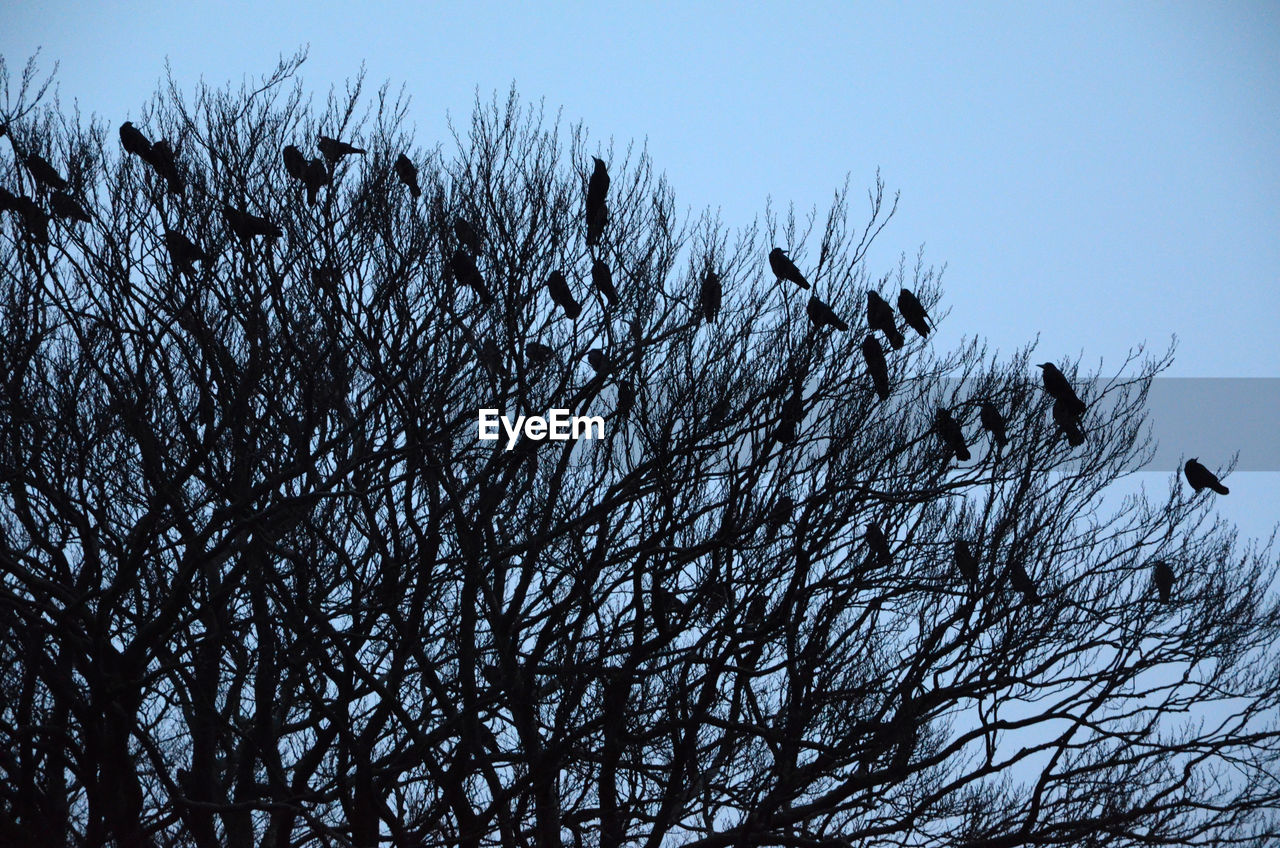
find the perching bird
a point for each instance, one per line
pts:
(913, 312)
(34, 219)
(785, 269)
(333, 150)
(710, 296)
(9, 201)
(876, 366)
(1021, 581)
(65, 206)
(133, 141)
(165, 163)
(1067, 422)
(878, 544)
(491, 357)
(780, 514)
(563, 297)
(538, 353)
(184, 252)
(597, 209)
(465, 270)
(315, 177)
(295, 164)
(408, 174)
(44, 173)
(467, 235)
(1200, 477)
(602, 278)
(626, 399)
(951, 434)
(246, 225)
(993, 423)
(823, 315)
(880, 317)
(598, 360)
(1056, 384)
(1162, 576)
(966, 562)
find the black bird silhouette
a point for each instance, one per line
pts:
(780, 514)
(64, 205)
(666, 607)
(184, 252)
(951, 434)
(34, 219)
(626, 399)
(563, 297)
(823, 315)
(295, 164)
(1067, 422)
(709, 298)
(1200, 477)
(538, 353)
(913, 312)
(246, 225)
(408, 174)
(993, 422)
(1056, 384)
(597, 209)
(464, 269)
(602, 278)
(966, 562)
(133, 141)
(333, 150)
(785, 269)
(467, 234)
(598, 360)
(315, 177)
(491, 357)
(876, 366)
(880, 317)
(878, 544)
(165, 163)
(9, 201)
(1022, 581)
(1163, 577)
(44, 173)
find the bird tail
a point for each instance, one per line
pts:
(895, 337)
(963, 454)
(841, 325)
(1219, 488)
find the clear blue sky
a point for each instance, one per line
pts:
(1098, 173)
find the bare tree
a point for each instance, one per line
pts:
(264, 585)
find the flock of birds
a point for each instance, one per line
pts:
(316, 173)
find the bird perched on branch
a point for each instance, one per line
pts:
(1202, 478)
(315, 177)
(165, 163)
(467, 234)
(1021, 581)
(333, 150)
(408, 174)
(785, 269)
(1068, 422)
(880, 317)
(951, 434)
(913, 312)
(133, 141)
(538, 353)
(1057, 385)
(823, 315)
(993, 422)
(1162, 576)
(780, 514)
(966, 562)
(602, 279)
(44, 173)
(597, 208)
(563, 297)
(878, 544)
(463, 266)
(65, 206)
(598, 361)
(710, 296)
(876, 365)
(295, 164)
(247, 226)
(184, 252)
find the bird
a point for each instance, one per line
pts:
(44, 173)
(333, 150)
(785, 269)
(467, 234)
(1021, 581)
(184, 252)
(491, 357)
(408, 174)
(34, 219)
(9, 201)
(626, 399)
(878, 544)
(596, 357)
(710, 296)
(913, 312)
(1067, 422)
(876, 366)
(966, 562)
(165, 163)
(880, 317)
(64, 205)
(665, 607)
(993, 422)
(1162, 576)
(597, 210)
(1200, 477)
(563, 297)
(951, 434)
(133, 141)
(602, 278)
(315, 177)
(1057, 385)
(246, 225)
(464, 269)
(295, 164)
(780, 513)
(823, 315)
(538, 353)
